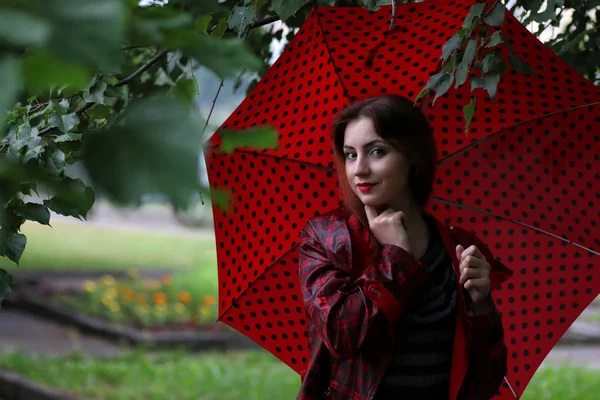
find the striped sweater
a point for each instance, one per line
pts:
(424, 335)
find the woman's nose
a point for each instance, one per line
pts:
(361, 166)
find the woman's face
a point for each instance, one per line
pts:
(371, 159)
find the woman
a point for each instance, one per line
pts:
(398, 304)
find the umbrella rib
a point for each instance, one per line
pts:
(335, 69)
(255, 280)
(458, 152)
(511, 388)
(308, 164)
(491, 214)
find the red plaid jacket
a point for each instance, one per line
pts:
(353, 297)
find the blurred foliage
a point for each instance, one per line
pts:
(110, 84)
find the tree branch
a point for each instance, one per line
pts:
(122, 82)
(143, 68)
(394, 5)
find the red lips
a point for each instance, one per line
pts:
(365, 187)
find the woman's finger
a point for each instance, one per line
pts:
(473, 273)
(478, 283)
(473, 262)
(472, 251)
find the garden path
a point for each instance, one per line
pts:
(32, 335)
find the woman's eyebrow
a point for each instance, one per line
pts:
(371, 143)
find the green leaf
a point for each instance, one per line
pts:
(32, 153)
(184, 90)
(258, 3)
(475, 12)
(43, 70)
(440, 82)
(225, 57)
(493, 61)
(202, 22)
(10, 82)
(463, 67)
(549, 14)
(93, 30)
(12, 244)
(468, 113)
(6, 284)
(452, 45)
(34, 212)
(496, 16)
(240, 18)
(74, 199)
(68, 137)
(520, 65)
(150, 23)
(21, 29)
(495, 39)
(99, 111)
(286, 8)
(262, 137)
(218, 197)
(487, 82)
(155, 149)
(64, 122)
(54, 161)
(95, 94)
(220, 28)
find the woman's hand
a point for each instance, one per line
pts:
(389, 227)
(475, 276)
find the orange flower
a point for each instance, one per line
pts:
(159, 298)
(130, 295)
(209, 300)
(166, 279)
(185, 297)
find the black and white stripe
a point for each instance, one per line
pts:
(424, 335)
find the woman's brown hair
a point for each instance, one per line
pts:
(404, 126)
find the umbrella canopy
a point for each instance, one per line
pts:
(524, 180)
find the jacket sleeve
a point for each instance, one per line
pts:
(344, 311)
(487, 352)
(485, 334)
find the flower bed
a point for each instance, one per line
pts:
(151, 305)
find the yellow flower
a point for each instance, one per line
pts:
(179, 308)
(114, 307)
(184, 297)
(133, 273)
(160, 308)
(159, 298)
(111, 293)
(89, 286)
(205, 310)
(166, 279)
(143, 308)
(209, 300)
(107, 280)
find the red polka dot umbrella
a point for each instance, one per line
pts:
(525, 179)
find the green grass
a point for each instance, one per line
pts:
(565, 382)
(76, 247)
(244, 375)
(253, 375)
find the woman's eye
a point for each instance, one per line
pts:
(381, 151)
(348, 156)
